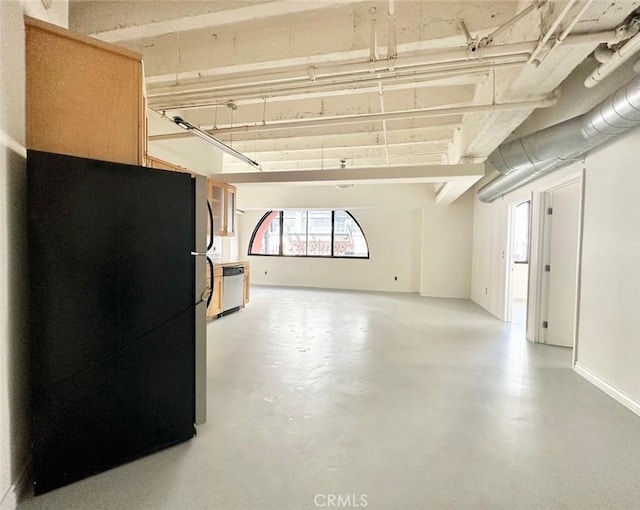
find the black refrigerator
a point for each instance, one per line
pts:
(117, 299)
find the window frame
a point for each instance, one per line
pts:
(281, 236)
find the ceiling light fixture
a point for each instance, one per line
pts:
(214, 141)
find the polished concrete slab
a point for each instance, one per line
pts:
(385, 401)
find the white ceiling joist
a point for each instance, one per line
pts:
(216, 19)
(416, 148)
(379, 116)
(204, 98)
(401, 138)
(383, 175)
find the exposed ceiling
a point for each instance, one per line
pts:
(329, 84)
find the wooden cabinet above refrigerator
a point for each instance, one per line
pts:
(85, 97)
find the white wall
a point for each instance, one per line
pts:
(14, 403)
(190, 152)
(520, 277)
(227, 248)
(609, 325)
(446, 249)
(407, 196)
(428, 247)
(394, 239)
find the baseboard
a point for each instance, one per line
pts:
(277, 285)
(613, 392)
(446, 296)
(10, 499)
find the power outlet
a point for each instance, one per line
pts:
(395, 278)
(486, 291)
(265, 273)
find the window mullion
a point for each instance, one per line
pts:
(333, 230)
(306, 233)
(281, 221)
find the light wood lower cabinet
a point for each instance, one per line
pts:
(247, 284)
(215, 306)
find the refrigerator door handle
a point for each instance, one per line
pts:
(211, 281)
(212, 230)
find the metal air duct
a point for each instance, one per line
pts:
(530, 157)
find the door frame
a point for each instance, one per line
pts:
(511, 230)
(538, 286)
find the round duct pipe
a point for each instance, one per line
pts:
(528, 158)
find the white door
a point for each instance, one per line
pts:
(561, 266)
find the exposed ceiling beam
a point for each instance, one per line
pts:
(216, 19)
(352, 151)
(392, 174)
(400, 142)
(437, 126)
(421, 52)
(326, 62)
(377, 116)
(453, 190)
(177, 98)
(335, 163)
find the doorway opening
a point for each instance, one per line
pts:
(519, 258)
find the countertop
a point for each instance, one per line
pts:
(231, 264)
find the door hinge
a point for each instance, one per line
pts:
(545, 324)
(549, 210)
(547, 268)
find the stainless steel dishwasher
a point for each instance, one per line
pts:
(232, 288)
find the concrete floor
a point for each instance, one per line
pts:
(396, 401)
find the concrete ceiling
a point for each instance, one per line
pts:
(325, 84)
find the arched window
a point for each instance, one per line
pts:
(309, 233)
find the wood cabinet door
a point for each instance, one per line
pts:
(216, 196)
(247, 284)
(222, 198)
(215, 306)
(216, 301)
(230, 211)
